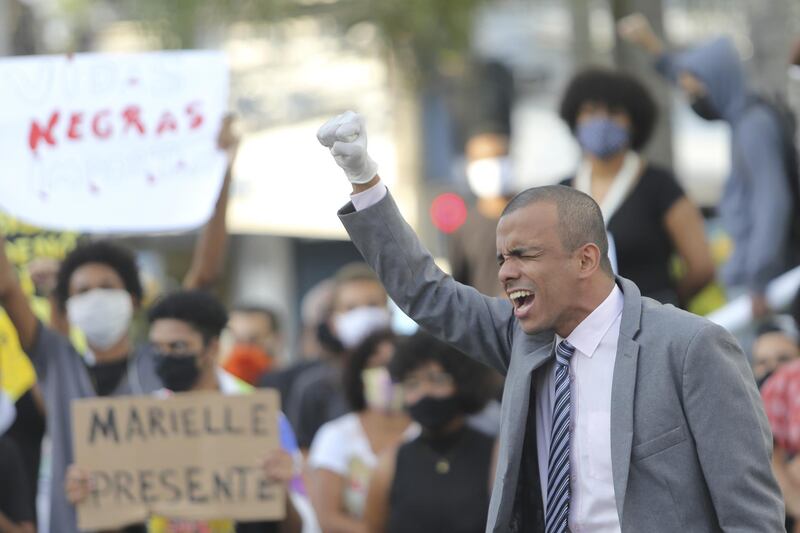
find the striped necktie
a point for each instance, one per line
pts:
(557, 512)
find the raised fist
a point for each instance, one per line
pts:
(346, 137)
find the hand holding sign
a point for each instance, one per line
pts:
(229, 138)
(78, 484)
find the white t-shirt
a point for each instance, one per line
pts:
(341, 446)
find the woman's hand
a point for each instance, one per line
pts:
(78, 484)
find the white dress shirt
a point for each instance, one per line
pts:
(592, 504)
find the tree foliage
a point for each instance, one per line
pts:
(419, 32)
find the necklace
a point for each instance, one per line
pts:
(443, 451)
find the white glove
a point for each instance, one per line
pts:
(346, 137)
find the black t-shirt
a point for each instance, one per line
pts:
(14, 483)
(643, 245)
(27, 432)
(441, 485)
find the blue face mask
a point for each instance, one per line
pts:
(602, 137)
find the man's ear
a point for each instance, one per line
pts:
(589, 256)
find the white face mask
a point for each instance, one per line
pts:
(8, 412)
(357, 324)
(490, 177)
(103, 315)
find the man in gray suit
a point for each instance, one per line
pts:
(619, 413)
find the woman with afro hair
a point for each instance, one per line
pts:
(648, 216)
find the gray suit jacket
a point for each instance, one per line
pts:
(690, 443)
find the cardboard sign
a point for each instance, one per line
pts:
(193, 456)
(112, 143)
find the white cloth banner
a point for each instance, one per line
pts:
(112, 143)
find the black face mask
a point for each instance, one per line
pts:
(328, 339)
(106, 376)
(178, 373)
(435, 414)
(705, 109)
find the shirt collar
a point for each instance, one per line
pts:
(588, 334)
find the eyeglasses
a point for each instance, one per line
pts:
(436, 379)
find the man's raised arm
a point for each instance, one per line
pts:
(478, 325)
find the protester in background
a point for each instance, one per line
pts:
(490, 96)
(98, 288)
(185, 329)
(776, 347)
(254, 342)
(776, 344)
(258, 325)
(781, 394)
(17, 513)
(359, 307)
(345, 450)
(759, 203)
(649, 217)
(441, 480)
(315, 310)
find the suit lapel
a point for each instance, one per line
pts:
(516, 403)
(623, 390)
(622, 395)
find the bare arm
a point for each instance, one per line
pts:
(327, 488)
(279, 467)
(493, 464)
(15, 302)
(7, 526)
(293, 523)
(377, 508)
(636, 29)
(685, 226)
(209, 251)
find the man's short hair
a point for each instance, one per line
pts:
(580, 220)
(198, 308)
(352, 272)
(119, 259)
(269, 313)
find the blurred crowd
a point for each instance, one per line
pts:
(388, 432)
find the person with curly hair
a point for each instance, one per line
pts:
(441, 480)
(648, 216)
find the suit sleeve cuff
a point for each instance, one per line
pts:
(370, 197)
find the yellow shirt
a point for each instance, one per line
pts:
(165, 525)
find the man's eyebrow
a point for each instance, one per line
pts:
(520, 250)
